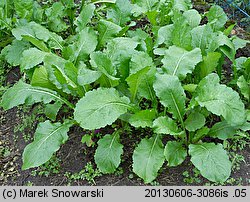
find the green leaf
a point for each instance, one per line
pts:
(145, 5)
(216, 17)
(87, 139)
(55, 14)
(211, 160)
(194, 121)
(87, 76)
(244, 87)
(148, 158)
(222, 130)
(165, 35)
(193, 17)
(204, 38)
(208, 64)
(31, 58)
(179, 62)
(239, 43)
(143, 118)
(181, 34)
(13, 53)
(166, 125)
(62, 73)
(220, 100)
(108, 153)
(84, 44)
(182, 5)
(24, 8)
(174, 153)
(99, 108)
(135, 80)
(199, 134)
(139, 61)
(120, 12)
(84, 17)
(37, 34)
(145, 88)
(51, 110)
(107, 30)
(171, 94)
(40, 78)
(47, 140)
(22, 93)
(101, 62)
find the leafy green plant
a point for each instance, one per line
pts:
(108, 69)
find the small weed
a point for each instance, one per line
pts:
(51, 167)
(88, 173)
(192, 177)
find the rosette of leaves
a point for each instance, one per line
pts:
(107, 68)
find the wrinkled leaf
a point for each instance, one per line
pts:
(211, 160)
(174, 153)
(108, 153)
(148, 157)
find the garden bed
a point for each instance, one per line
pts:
(75, 162)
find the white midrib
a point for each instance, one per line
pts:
(178, 63)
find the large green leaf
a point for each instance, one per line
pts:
(220, 100)
(216, 17)
(31, 58)
(85, 43)
(175, 153)
(120, 12)
(165, 35)
(84, 17)
(107, 30)
(179, 62)
(13, 53)
(108, 153)
(171, 94)
(47, 140)
(37, 34)
(99, 108)
(23, 93)
(222, 130)
(143, 118)
(193, 17)
(148, 158)
(211, 160)
(166, 125)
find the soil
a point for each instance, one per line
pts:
(74, 156)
